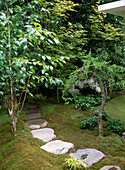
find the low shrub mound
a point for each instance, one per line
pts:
(88, 101)
(88, 123)
(115, 126)
(112, 124)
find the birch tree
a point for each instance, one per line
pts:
(21, 34)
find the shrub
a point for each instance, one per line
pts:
(95, 113)
(36, 98)
(115, 126)
(88, 101)
(83, 102)
(88, 123)
(74, 164)
(105, 115)
(76, 116)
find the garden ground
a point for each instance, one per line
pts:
(21, 151)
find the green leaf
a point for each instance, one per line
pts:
(36, 24)
(38, 34)
(25, 47)
(33, 70)
(56, 41)
(46, 85)
(51, 68)
(30, 94)
(1, 92)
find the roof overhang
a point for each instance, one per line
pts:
(116, 8)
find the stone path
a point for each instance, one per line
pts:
(57, 147)
(45, 134)
(39, 130)
(34, 110)
(110, 168)
(36, 123)
(34, 115)
(88, 155)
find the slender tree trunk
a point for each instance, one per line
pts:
(13, 115)
(103, 91)
(101, 109)
(13, 119)
(12, 111)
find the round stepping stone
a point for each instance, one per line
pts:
(34, 110)
(31, 106)
(34, 127)
(38, 122)
(88, 155)
(45, 134)
(33, 115)
(110, 168)
(123, 135)
(57, 147)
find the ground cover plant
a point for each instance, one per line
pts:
(73, 164)
(111, 124)
(20, 150)
(87, 101)
(88, 123)
(115, 125)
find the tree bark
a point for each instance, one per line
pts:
(14, 124)
(13, 104)
(101, 109)
(13, 116)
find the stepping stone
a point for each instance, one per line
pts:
(91, 155)
(33, 115)
(34, 127)
(110, 168)
(31, 106)
(123, 135)
(45, 134)
(36, 123)
(57, 147)
(34, 110)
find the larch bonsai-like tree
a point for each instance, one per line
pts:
(102, 72)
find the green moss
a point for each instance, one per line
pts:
(47, 110)
(21, 151)
(116, 108)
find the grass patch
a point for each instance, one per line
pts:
(3, 116)
(116, 108)
(21, 151)
(47, 110)
(75, 117)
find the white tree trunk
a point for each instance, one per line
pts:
(101, 109)
(14, 124)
